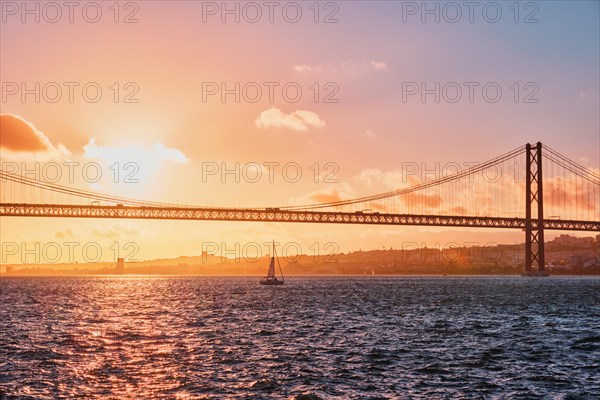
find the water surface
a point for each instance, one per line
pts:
(346, 338)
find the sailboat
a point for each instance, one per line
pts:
(271, 279)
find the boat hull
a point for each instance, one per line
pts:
(271, 282)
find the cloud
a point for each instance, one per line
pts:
(393, 179)
(298, 120)
(334, 193)
(560, 193)
(459, 210)
(19, 137)
(328, 196)
(370, 176)
(379, 65)
(587, 94)
(344, 191)
(349, 66)
(369, 134)
(107, 234)
(424, 200)
(305, 68)
(116, 231)
(131, 164)
(158, 152)
(65, 234)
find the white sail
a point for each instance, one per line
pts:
(271, 273)
(270, 279)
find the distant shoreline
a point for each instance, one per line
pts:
(132, 275)
(565, 255)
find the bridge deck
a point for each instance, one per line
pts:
(276, 215)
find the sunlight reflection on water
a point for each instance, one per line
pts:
(395, 337)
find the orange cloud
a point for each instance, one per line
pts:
(331, 194)
(564, 193)
(18, 135)
(299, 120)
(459, 210)
(427, 200)
(64, 234)
(327, 197)
(115, 231)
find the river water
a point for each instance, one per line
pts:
(127, 337)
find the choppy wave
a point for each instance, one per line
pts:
(314, 338)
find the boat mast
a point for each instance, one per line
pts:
(278, 263)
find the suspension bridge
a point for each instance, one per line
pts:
(513, 191)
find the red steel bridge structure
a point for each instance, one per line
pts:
(573, 197)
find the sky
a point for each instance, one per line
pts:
(165, 97)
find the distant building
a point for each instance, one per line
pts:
(591, 262)
(568, 240)
(576, 261)
(120, 268)
(558, 267)
(598, 246)
(588, 241)
(565, 239)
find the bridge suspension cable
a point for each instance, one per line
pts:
(572, 192)
(77, 192)
(399, 192)
(572, 166)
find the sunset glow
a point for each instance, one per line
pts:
(197, 111)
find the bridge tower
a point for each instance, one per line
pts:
(120, 267)
(534, 228)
